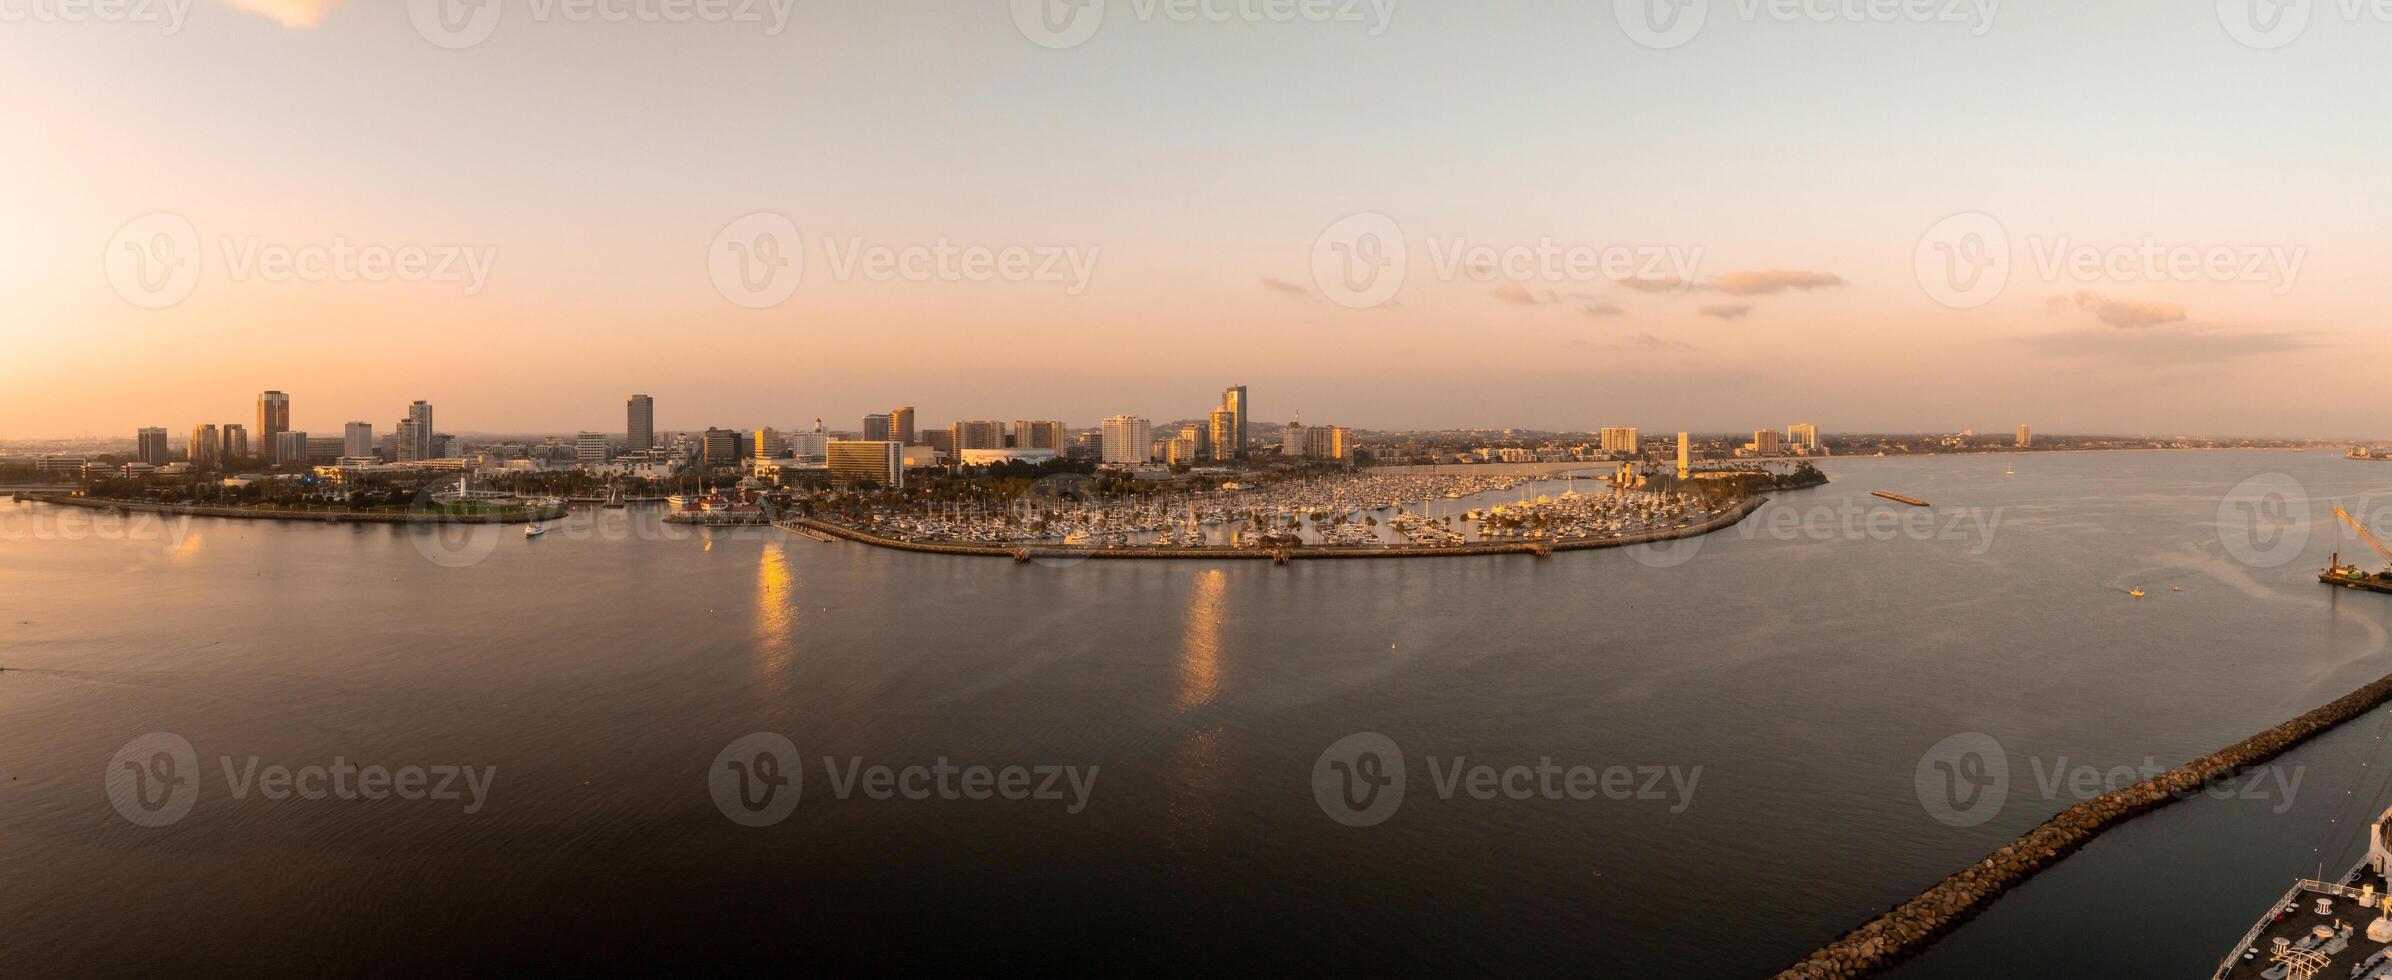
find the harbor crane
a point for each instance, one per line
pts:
(2341, 574)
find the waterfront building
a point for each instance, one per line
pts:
(290, 448)
(150, 447)
(1620, 440)
(589, 448)
(879, 461)
(1765, 442)
(1182, 449)
(415, 434)
(639, 423)
(901, 425)
(359, 440)
(2026, 437)
(977, 435)
(1685, 455)
(1227, 442)
(1126, 439)
(205, 451)
(273, 419)
(720, 447)
(1029, 434)
(876, 428)
(1803, 437)
(1329, 442)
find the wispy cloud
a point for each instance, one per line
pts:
(1725, 311)
(1602, 309)
(1514, 294)
(1646, 341)
(1284, 287)
(1770, 282)
(2164, 347)
(2127, 314)
(288, 13)
(1656, 284)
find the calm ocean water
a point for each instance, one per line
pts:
(1788, 680)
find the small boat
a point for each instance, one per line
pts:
(535, 530)
(2177, 588)
(2137, 593)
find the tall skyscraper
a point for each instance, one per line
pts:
(1620, 440)
(1685, 455)
(1128, 439)
(415, 434)
(234, 445)
(273, 419)
(204, 451)
(639, 423)
(876, 428)
(1233, 400)
(150, 447)
(1227, 441)
(1803, 436)
(768, 444)
(2026, 437)
(901, 425)
(360, 439)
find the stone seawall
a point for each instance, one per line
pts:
(1912, 926)
(1727, 518)
(310, 516)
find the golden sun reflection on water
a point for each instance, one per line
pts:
(776, 616)
(1200, 648)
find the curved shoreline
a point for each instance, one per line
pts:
(530, 515)
(1914, 925)
(1727, 518)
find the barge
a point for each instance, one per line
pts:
(1898, 498)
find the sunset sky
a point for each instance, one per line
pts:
(1793, 165)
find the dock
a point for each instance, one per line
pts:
(1898, 498)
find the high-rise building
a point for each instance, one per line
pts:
(359, 440)
(879, 461)
(1620, 440)
(290, 448)
(2026, 437)
(1765, 442)
(901, 425)
(234, 443)
(149, 446)
(1233, 400)
(720, 448)
(415, 434)
(1803, 436)
(273, 419)
(1127, 439)
(324, 450)
(1228, 442)
(1685, 455)
(204, 451)
(876, 428)
(639, 423)
(1029, 434)
(589, 448)
(1293, 443)
(768, 444)
(1331, 442)
(978, 435)
(809, 447)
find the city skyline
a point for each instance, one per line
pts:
(1804, 283)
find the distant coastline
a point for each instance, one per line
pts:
(524, 514)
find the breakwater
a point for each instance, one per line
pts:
(1912, 926)
(1021, 552)
(528, 514)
